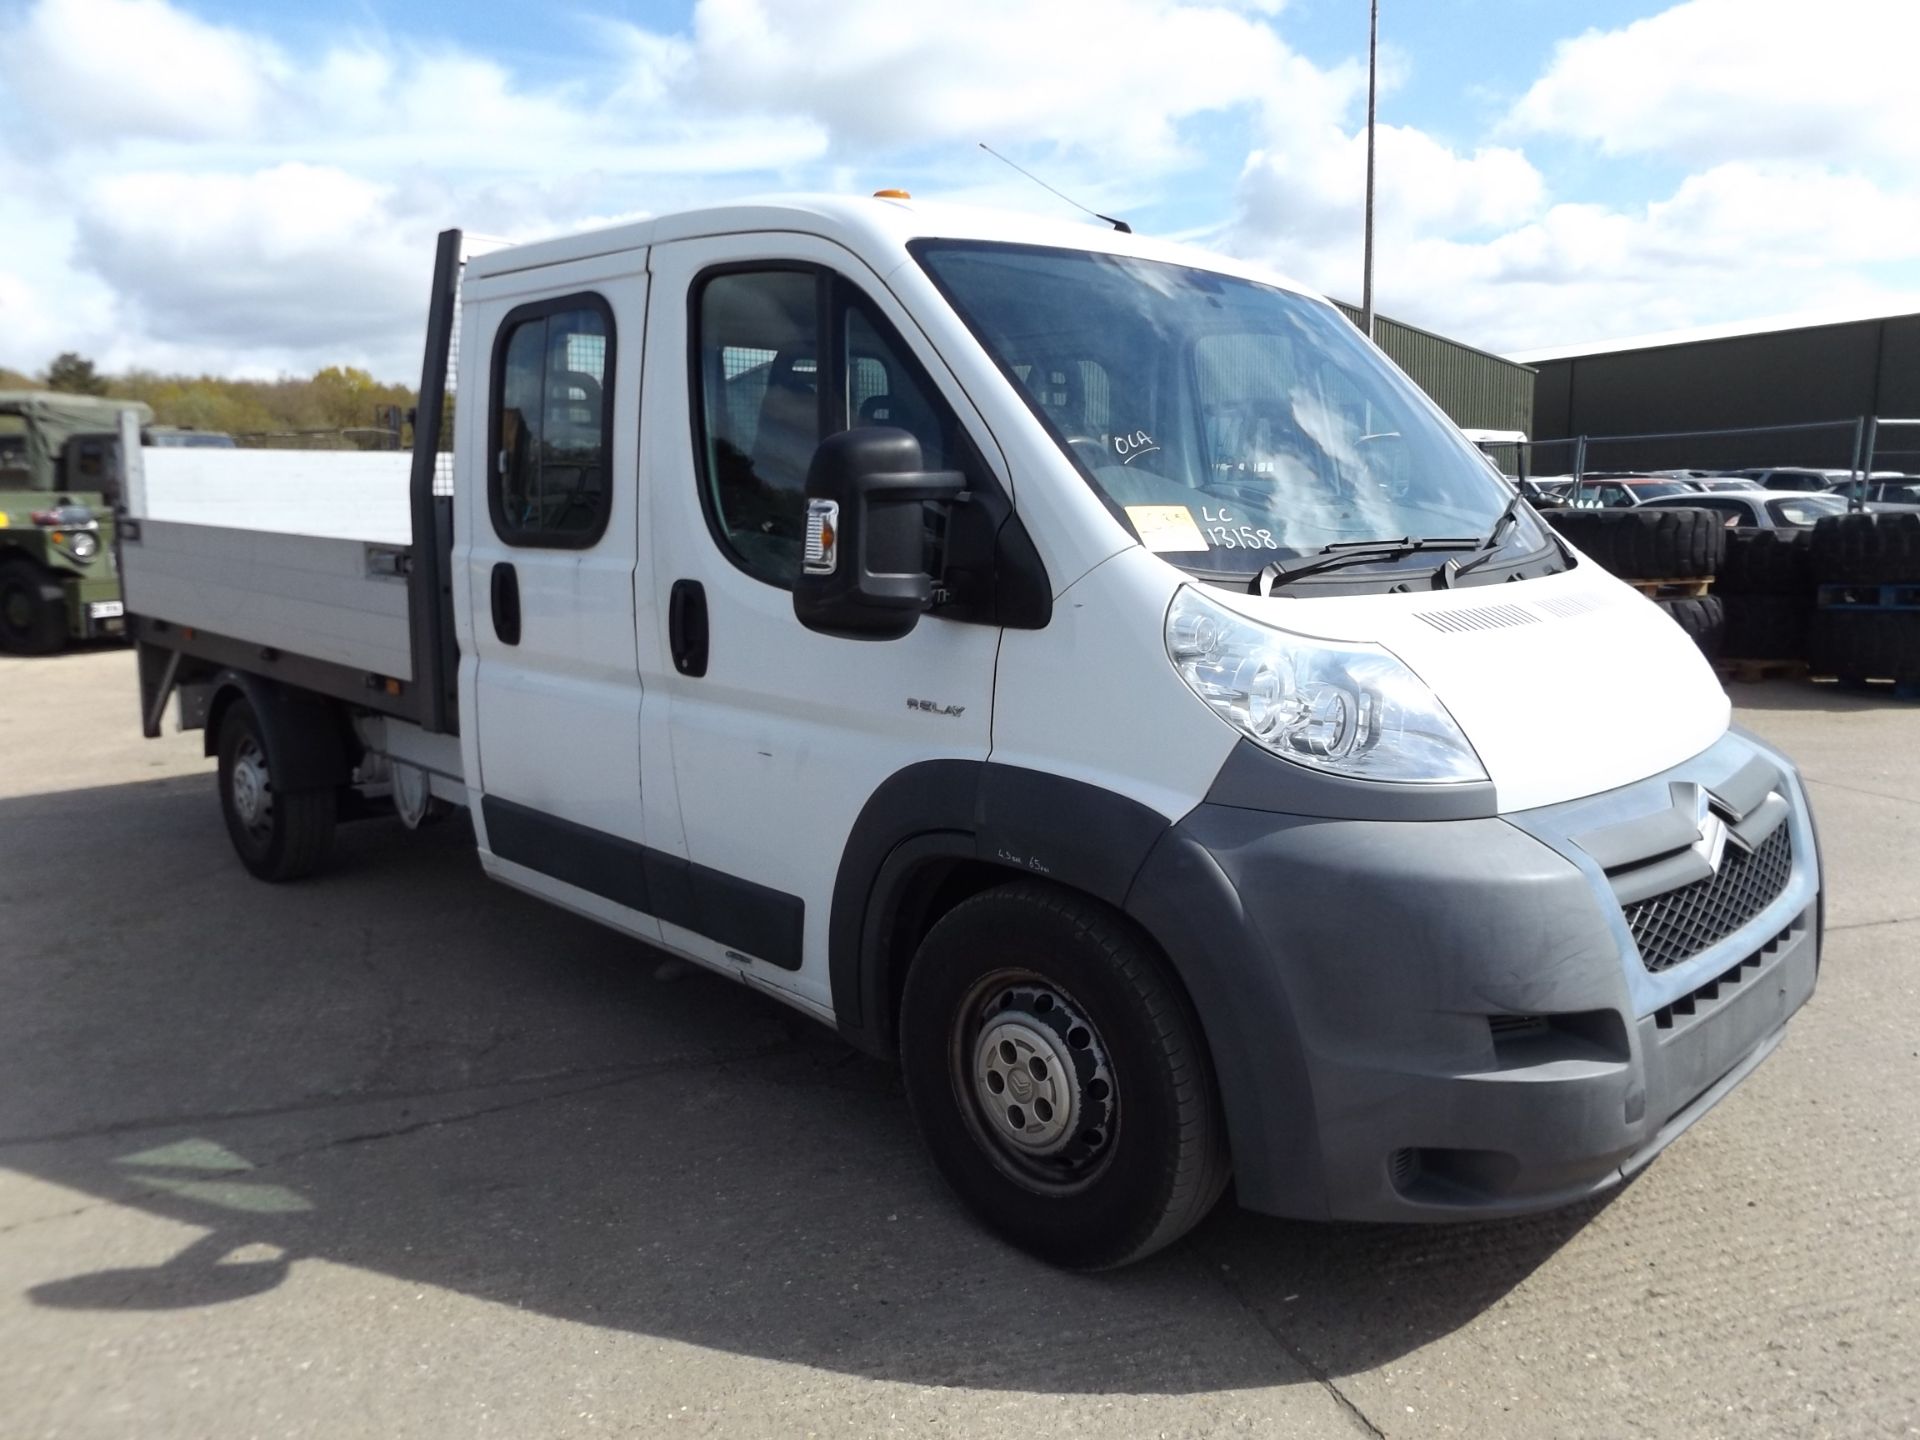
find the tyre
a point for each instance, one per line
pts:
(1059, 1079)
(1866, 645)
(278, 834)
(1702, 617)
(1651, 543)
(1765, 627)
(33, 609)
(1867, 548)
(1766, 562)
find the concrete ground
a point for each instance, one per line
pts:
(398, 1152)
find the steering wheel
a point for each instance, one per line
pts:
(1093, 452)
(1376, 452)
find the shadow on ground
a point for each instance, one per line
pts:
(1831, 697)
(402, 1068)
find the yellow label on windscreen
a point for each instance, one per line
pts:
(5, 520)
(1166, 527)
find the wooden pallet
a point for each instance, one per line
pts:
(1749, 671)
(1672, 589)
(1879, 687)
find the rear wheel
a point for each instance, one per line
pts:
(33, 609)
(279, 834)
(1059, 1078)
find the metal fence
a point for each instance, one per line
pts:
(1857, 449)
(1818, 444)
(1876, 452)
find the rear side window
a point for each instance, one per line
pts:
(552, 423)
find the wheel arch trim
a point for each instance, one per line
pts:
(305, 739)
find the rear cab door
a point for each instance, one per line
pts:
(551, 539)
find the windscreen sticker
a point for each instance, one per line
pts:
(1224, 529)
(1166, 527)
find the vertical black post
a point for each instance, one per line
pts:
(1366, 278)
(1866, 439)
(436, 662)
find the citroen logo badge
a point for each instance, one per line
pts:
(1712, 844)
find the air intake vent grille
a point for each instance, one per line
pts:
(1565, 607)
(1681, 923)
(1480, 617)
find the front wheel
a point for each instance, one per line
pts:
(279, 834)
(1059, 1078)
(33, 609)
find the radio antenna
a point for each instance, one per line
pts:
(1120, 225)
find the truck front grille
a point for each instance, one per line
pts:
(1681, 923)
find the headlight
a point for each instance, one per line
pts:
(1344, 708)
(83, 545)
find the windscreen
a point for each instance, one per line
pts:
(1228, 423)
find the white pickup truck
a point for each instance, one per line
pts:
(1079, 666)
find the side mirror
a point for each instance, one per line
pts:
(863, 568)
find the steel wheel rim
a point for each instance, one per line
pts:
(251, 788)
(1035, 1082)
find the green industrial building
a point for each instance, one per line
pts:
(1826, 370)
(1478, 390)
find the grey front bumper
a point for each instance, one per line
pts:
(1448, 1019)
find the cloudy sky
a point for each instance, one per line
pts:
(250, 188)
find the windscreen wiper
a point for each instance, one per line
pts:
(1487, 547)
(1507, 517)
(1347, 552)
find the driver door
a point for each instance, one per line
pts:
(780, 735)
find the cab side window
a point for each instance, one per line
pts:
(552, 423)
(765, 401)
(759, 374)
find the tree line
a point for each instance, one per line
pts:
(339, 404)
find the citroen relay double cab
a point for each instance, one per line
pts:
(1082, 667)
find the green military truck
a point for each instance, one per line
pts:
(59, 479)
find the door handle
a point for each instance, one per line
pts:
(506, 603)
(687, 627)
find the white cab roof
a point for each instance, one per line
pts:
(869, 226)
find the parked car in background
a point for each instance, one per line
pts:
(1806, 477)
(1709, 484)
(1898, 490)
(1761, 509)
(1620, 491)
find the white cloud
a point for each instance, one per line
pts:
(1739, 240)
(109, 67)
(1799, 129)
(292, 257)
(1110, 76)
(1717, 80)
(177, 192)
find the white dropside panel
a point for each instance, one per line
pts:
(1566, 686)
(346, 493)
(303, 594)
(1094, 697)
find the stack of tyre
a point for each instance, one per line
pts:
(1863, 628)
(1657, 546)
(1766, 592)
